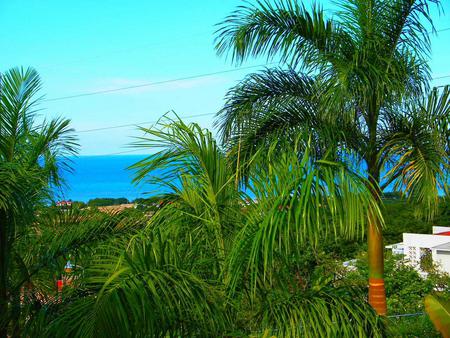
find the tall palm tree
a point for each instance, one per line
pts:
(32, 154)
(355, 81)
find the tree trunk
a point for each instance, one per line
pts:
(3, 274)
(377, 292)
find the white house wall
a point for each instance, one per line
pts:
(442, 258)
(414, 242)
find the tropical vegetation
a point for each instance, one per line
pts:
(213, 260)
(438, 307)
(32, 155)
(101, 202)
(245, 236)
(358, 80)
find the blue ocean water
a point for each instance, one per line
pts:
(107, 176)
(103, 176)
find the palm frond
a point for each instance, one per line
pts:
(419, 146)
(322, 311)
(283, 28)
(202, 192)
(296, 202)
(142, 288)
(265, 93)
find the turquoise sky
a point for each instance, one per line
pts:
(84, 46)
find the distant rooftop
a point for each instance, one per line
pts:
(443, 247)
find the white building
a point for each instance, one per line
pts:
(416, 246)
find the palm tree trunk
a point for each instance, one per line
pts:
(3, 274)
(377, 292)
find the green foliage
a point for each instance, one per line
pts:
(201, 203)
(141, 286)
(104, 202)
(438, 308)
(405, 292)
(414, 326)
(203, 193)
(33, 154)
(400, 217)
(363, 96)
(211, 261)
(405, 288)
(79, 204)
(297, 202)
(356, 81)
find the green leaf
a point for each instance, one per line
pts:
(438, 308)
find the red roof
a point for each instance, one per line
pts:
(445, 233)
(61, 203)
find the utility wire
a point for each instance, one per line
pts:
(154, 121)
(157, 44)
(173, 80)
(126, 50)
(441, 77)
(184, 78)
(121, 152)
(156, 83)
(138, 123)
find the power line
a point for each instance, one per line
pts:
(182, 79)
(148, 84)
(174, 80)
(157, 44)
(138, 123)
(441, 77)
(154, 121)
(121, 152)
(438, 31)
(126, 50)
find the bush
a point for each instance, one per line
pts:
(414, 326)
(103, 202)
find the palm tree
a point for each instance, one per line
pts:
(31, 156)
(355, 81)
(248, 241)
(211, 254)
(194, 176)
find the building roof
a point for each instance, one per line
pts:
(443, 247)
(395, 245)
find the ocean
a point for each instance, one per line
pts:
(107, 176)
(103, 176)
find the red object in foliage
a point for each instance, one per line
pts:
(60, 284)
(67, 203)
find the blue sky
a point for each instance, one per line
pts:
(83, 46)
